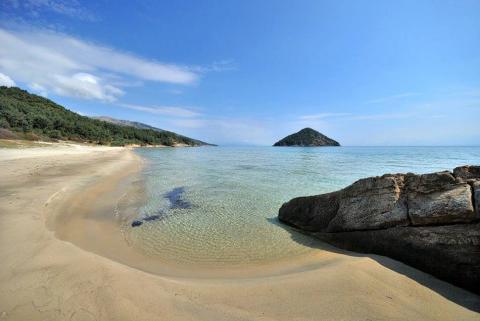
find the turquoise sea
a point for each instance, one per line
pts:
(218, 205)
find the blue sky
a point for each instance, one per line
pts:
(251, 72)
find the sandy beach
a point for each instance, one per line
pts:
(55, 265)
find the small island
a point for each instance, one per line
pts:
(307, 137)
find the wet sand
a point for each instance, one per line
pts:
(64, 259)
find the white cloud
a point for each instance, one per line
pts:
(163, 110)
(39, 89)
(83, 85)
(6, 81)
(72, 67)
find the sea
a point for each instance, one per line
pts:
(218, 205)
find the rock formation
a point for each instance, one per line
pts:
(307, 137)
(430, 221)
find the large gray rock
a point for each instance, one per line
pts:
(467, 172)
(471, 175)
(429, 221)
(476, 197)
(371, 203)
(447, 206)
(438, 198)
(311, 213)
(385, 201)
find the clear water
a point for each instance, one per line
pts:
(218, 205)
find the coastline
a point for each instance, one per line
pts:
(45, 277)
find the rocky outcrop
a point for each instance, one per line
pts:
(471, 175)
(370, 203)
(449, 252)
(307, 137)
(429, 221)
(476, 197)
(438, 198)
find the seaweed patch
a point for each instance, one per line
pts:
(175, 196)
(136, 223)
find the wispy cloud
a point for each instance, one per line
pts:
(216, 66)
(72, 67)
(390, 98)
(378, 116)
(323, 116)
(6, 81)
(163, 110)
(351, 116)
(34, 8)
(383, 116)
(190, 123)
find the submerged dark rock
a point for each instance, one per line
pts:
(151, 218)
(146, 219)
(307, 137)
(429, 221)
(175, 196)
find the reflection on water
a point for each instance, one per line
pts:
(213, 205)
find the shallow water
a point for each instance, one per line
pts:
(217, 205)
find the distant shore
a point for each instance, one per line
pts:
(56, 266)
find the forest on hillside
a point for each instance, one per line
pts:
(28, 116)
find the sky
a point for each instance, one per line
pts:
(230, 72)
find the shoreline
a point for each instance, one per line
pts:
(84, 219)
(44, 277)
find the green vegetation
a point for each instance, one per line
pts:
(27, 116)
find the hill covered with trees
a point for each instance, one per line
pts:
(307, 137)
(27, 116)
(123, 122)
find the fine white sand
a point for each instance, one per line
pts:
(43, 277)
(46, 149)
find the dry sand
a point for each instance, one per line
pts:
(43, 277)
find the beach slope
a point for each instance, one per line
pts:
(45, 278)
